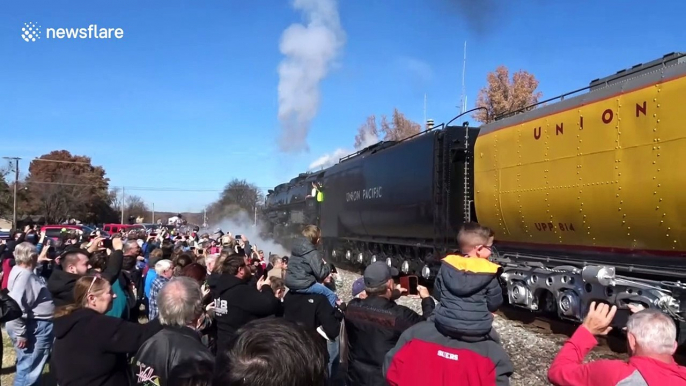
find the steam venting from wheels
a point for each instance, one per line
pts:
(309, 51)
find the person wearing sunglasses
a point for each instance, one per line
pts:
(467, 287)
(468, 291)
(91, 348)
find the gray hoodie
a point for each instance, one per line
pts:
(30, 291)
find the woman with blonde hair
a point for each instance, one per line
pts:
(91, 348)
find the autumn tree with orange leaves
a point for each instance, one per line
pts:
(398, 128)
(504, 95)
(62, 186)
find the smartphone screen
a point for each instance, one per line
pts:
(413, 281)
(410, 283)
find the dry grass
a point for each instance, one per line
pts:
(8, 367)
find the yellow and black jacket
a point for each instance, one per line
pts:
(469, 292)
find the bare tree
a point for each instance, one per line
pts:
(238, 195)
(399, 128)
(136, 207)
(502, 95)
(367, 133)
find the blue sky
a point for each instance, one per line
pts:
(188, 98)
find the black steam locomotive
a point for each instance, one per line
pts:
(549, 182)
(393, 201)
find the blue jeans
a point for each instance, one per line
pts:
(321, 289)
(334, 359)
(32, 358)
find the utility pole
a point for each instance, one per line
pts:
(153, 213)
(123, 198)
(255, 224)
(16, 182)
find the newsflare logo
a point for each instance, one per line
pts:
(31, 32)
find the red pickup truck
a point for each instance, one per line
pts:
(121, 228)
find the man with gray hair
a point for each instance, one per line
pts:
(651, 337)
(31, 334)
(178, 344)
(164, 270)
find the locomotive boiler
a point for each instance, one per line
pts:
(583, 192)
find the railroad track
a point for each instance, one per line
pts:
(614, 342)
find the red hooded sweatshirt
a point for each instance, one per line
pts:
(568, 368)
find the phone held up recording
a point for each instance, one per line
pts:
(410, 283)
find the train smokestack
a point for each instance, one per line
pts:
(429, 124)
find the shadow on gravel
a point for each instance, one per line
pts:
(615, 341)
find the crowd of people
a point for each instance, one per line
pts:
(210, 309)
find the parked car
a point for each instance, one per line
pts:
(53, 231)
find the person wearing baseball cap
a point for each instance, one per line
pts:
(358, 288)
(374, 322)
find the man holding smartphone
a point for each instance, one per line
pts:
(374, 323)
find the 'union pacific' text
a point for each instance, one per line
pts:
(364, 194)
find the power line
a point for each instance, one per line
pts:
(142, 188)
(64, 162)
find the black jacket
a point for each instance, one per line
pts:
(61, 283)
(90, 348)
(373, 327)
(468, 291)
(305, 266)
(9, 308)
(312, 311)
(159, 355)
(238, 302)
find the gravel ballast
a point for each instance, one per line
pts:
(530, 351)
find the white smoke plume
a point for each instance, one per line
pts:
(328, 160)
(309, 51)
(243, 224)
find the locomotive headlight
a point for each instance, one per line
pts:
(348, 255)
(426, 272)
(389, 262)
(405, 267)
(373, 259)
(360, 258)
